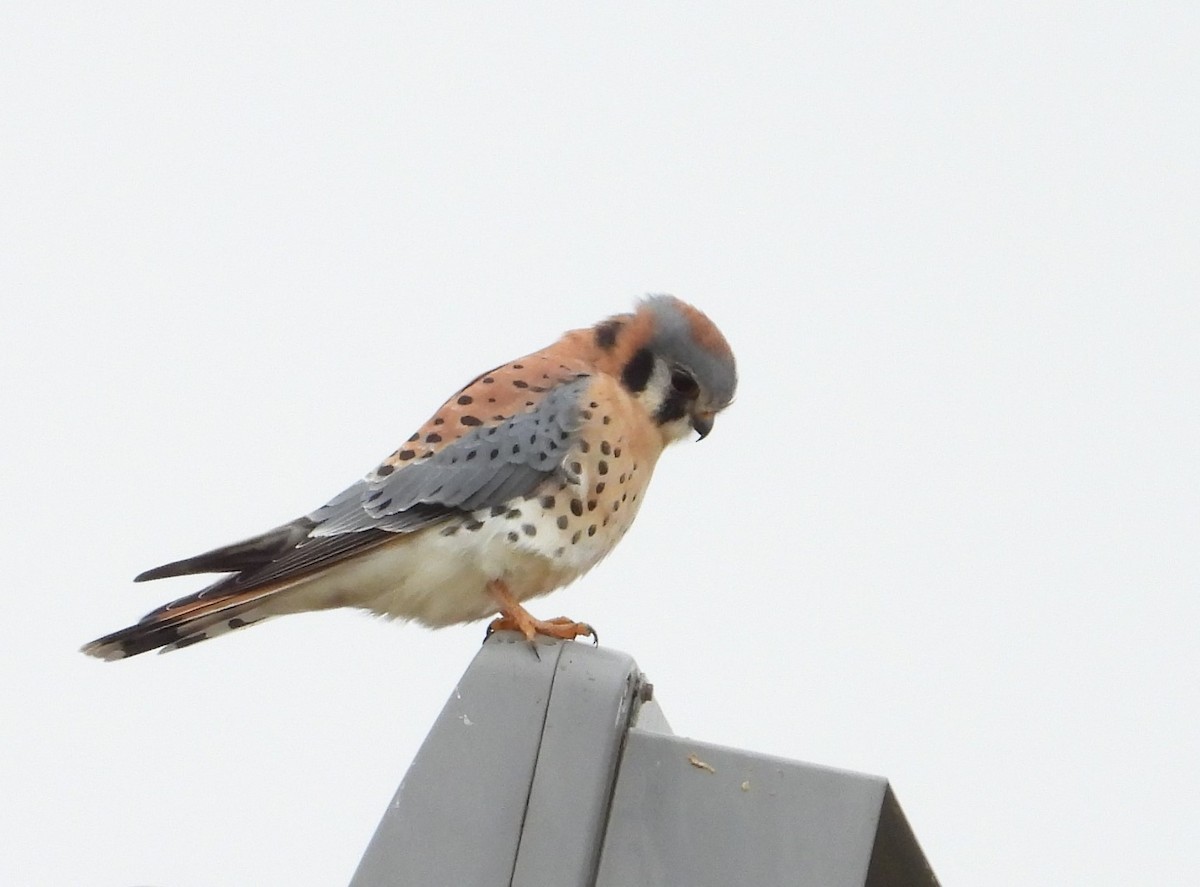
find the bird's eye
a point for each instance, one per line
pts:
(682, 382)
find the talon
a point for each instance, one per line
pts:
(514, 617)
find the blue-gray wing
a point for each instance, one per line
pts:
(486, 467)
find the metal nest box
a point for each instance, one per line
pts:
(561, 771)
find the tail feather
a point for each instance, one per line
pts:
(186, 622)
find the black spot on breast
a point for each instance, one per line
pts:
(494, 454)
(606, 420)
(576, 507)
(498, 510)
(450, 530)
(562, 521)
(600, 488)
(471, 420)
(518, 366)
(465, 399)
(584, 446)
(606, 334)
(592, 530)
(576, 468)
(605, 448)
(575, 537)
(433, 437)
(473, 525)
(547, 501)
(513, 537)
(617, 452)
(529, 529)
(414, 437)
(602, 467)
(512, 513)
(406, 455)
(487, 380)
(384, 470)
(520, 383)
(439, 421)
(636, 374)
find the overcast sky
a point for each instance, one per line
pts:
(947, 534)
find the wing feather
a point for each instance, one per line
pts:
(487, 466)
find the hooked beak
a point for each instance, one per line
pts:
(703, 423)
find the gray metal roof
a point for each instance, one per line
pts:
(560, 771)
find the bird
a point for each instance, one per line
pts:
(520, 483)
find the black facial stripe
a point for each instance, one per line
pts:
(606, 334)
(675, 406)
(636, 374)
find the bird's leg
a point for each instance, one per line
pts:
(514, 617)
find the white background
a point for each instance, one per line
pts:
(948, 533)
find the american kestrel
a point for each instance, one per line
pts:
(522, 482)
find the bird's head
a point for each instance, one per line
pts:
(675, 361)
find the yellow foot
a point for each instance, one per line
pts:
(514, 617)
